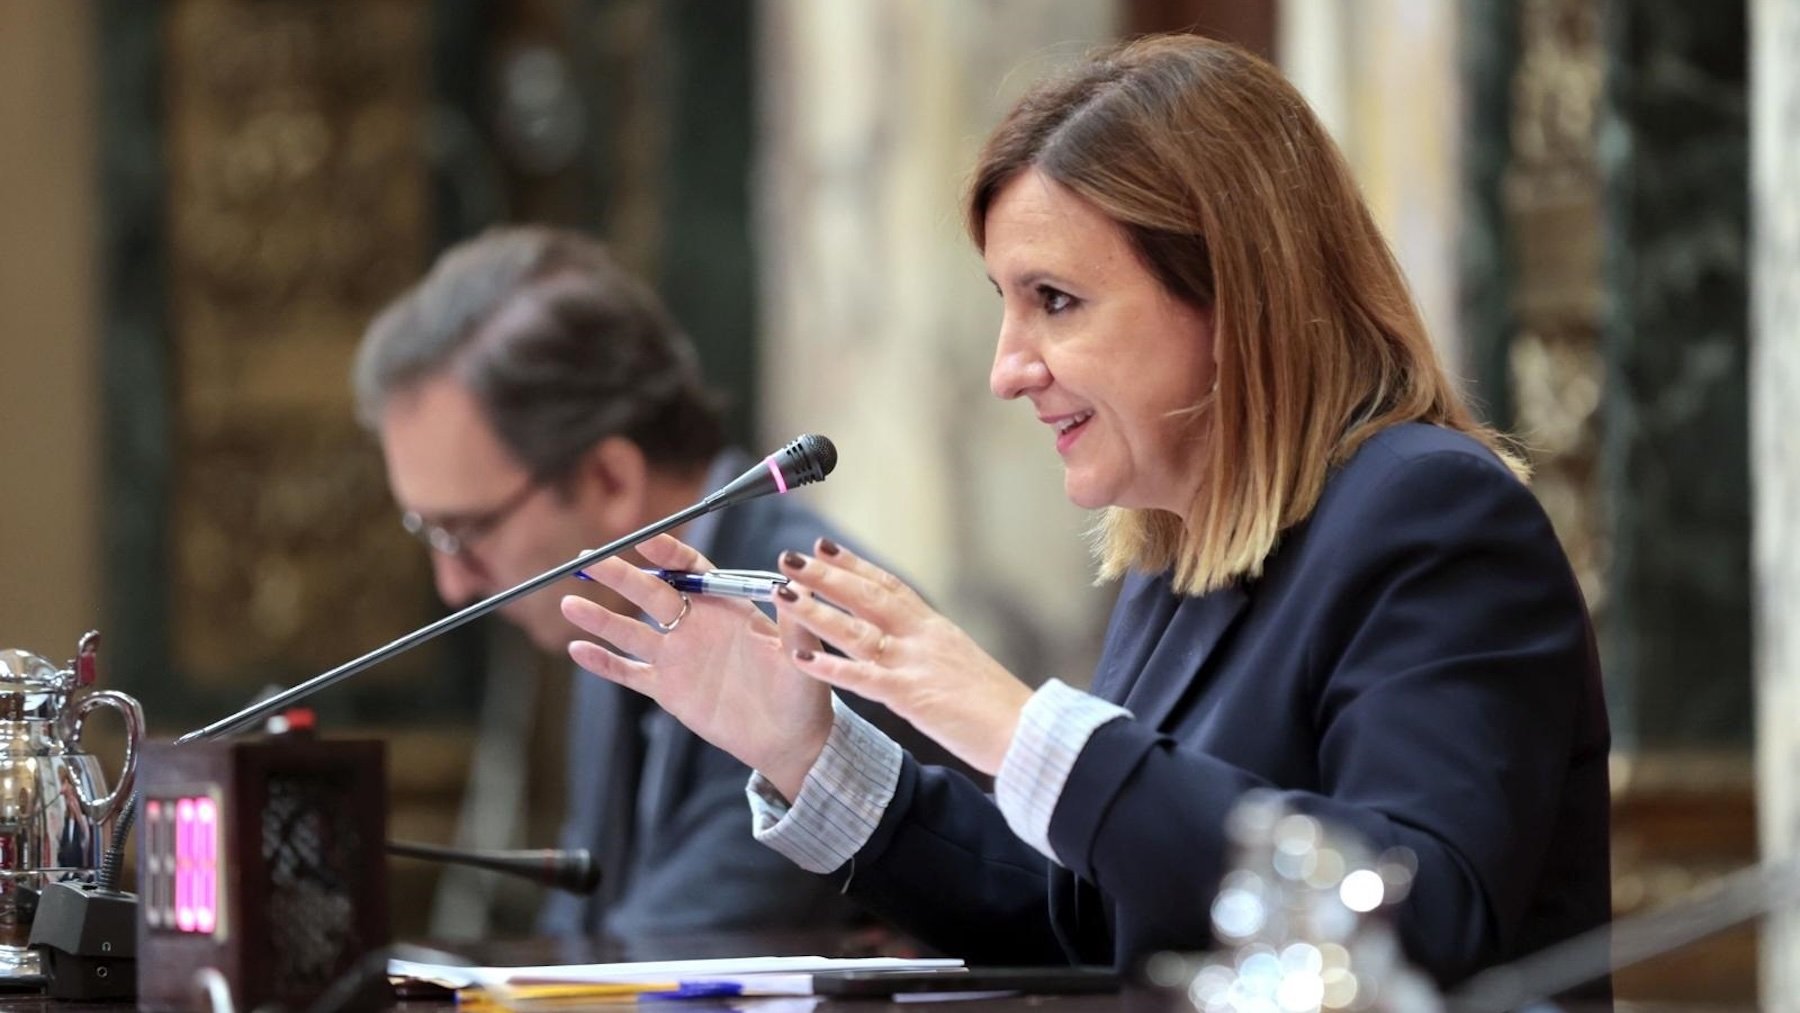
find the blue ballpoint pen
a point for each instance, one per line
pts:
(756, 585)
(696, 990)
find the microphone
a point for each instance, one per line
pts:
(805, 460)
(573, 870)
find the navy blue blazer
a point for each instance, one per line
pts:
(1416, 663)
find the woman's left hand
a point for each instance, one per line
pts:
(900, 653)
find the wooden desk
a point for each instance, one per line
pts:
(873, 943)
(571, 951)
(583, 951)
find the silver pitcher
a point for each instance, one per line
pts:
(55, 811)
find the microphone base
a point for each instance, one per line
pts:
(87, 938)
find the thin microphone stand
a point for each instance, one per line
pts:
(1739, 897)
(811, 457)
(572, 870)
(280, 701)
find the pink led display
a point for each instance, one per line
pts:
(184, 864)
(206, 866)
(196, 863)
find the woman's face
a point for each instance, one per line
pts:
(1112, 362)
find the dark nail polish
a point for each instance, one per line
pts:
(793, 560)
(786, 593)
(828, 547)
(803, 655)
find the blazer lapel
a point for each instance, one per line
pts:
(1144, 608)
(592, 732)
(1182, 646)
(660, 773)
(613, 790)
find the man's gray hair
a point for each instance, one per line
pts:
(561, 346)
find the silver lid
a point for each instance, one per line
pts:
(23, 671)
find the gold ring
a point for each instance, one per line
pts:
(686, 603)
(881, 647)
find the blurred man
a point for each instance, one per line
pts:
(533, 400)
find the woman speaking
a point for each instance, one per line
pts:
(1333, 581)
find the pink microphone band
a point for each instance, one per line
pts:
(774, 469)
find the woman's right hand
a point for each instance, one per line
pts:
(721, 670)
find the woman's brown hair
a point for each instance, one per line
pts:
(1238, 202)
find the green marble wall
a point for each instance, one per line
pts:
(1674, 153)
(134, 348)
(1489, 36)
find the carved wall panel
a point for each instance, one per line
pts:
(296, 206)
(1552, 196)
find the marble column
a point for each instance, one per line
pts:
(1383, 77)
(878, 323)
(1775, 455)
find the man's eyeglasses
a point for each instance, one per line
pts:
(452, 537)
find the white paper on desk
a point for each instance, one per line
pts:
(758, 975)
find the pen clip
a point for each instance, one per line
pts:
(768, 575)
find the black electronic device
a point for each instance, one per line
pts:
(88, 937)
(1028, 980)
(262, 859)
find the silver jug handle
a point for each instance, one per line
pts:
(105, 808)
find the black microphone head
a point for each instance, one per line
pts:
(807, 459)
(578, 873)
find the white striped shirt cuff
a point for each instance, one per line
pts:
(841, 800)
(1053, 728)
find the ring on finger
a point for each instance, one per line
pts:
(686, 603)
(881, 647)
